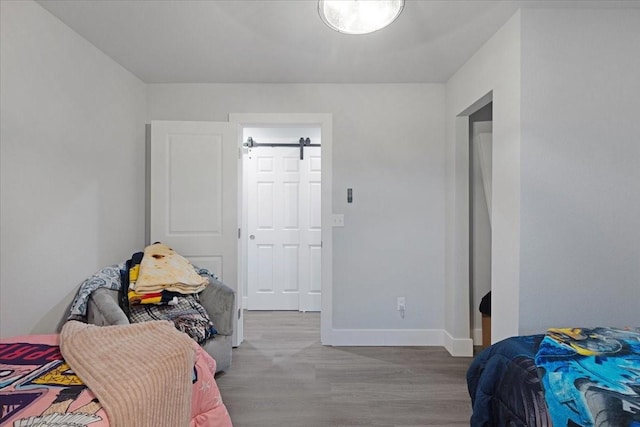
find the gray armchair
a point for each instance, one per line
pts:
(217, 299)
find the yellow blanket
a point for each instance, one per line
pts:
(140, 373)
(164, 269)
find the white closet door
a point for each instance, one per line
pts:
(311, 224)
(284, 229)
(193, 197)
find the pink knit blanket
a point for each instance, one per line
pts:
(141, 373)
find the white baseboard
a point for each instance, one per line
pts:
(386, 337)
(477, 336)
(458, 347)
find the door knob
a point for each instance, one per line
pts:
(252, 237)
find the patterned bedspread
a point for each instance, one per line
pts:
(568, 377)
(591, 376)
(37, 387)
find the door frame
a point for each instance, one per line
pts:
(462, 225)
(324, 122)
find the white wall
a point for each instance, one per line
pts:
(72, 166)
(580, 223)
(566, 192)
(494, 69)
(388, 145)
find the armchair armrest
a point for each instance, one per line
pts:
(103, 308)
(219, 301)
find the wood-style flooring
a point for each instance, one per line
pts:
(282, 376)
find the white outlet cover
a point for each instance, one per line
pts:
(338, 220)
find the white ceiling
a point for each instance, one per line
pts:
(284, 41)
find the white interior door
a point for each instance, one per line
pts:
(193, 196)
(311, 237)
(284, 228)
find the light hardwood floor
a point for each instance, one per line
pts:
(282, 376)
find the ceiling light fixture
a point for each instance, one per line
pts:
(359, 16)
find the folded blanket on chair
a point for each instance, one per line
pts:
(130, 277)
(162, 268)
(140, 373)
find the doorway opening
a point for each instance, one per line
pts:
(480, 236)
(284, 120)
(281, 193)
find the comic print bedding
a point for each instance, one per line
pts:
(568, 377)
(38, 388)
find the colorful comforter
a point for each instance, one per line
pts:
(37, 387)
(568, 377)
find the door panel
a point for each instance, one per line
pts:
(273, 229)
(265, 203)
(193, 195)
(311, 263)
(315, 268)
(211, 263)
(194, 168)
(291, 206)
(265, 268)
(284, 226)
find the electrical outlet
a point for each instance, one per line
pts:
(401, 303)
(338, 220)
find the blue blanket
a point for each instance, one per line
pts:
(591, 377)
(504, 385)
(570, 377)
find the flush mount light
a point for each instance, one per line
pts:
(359, 16)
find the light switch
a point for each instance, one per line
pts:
(338, 220)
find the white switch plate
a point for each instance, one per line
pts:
(338, 220)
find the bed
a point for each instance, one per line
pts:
(566, 377)
(38, 386)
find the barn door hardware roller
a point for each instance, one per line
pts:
(302, 142)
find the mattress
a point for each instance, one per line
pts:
(37, 387)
